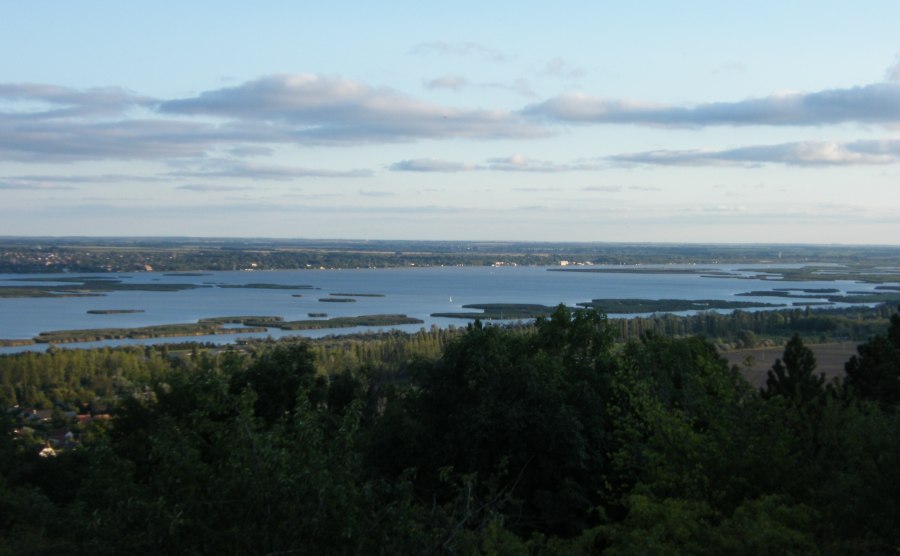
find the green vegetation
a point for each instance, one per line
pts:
(632, 306)
(348, 322)
(551, 439)
(210, 326)
(884, 296)
(853, 271)
(14, 343)
(500, 311)
(337, 300)
(144, 332)
(809, 290)
(84, 286)
(248, 320)
(24, 255)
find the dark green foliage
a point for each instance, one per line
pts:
(277, 378)
(545, 440)
(523, 413)
(793, 378)
(875, 373)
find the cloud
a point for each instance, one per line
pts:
(562, 69)
(893, 72)
(250, 151)
(66, 182)
(604, 188)
(219, 168)
(877, 103)
(316, 109)
(66, 140)
(459, 49)
(372, 193)
(32, 186)
(718, 209)
(807, 153)
(644, 188)
(64, 102)
(513, 163)
(46, 123)
(519, 87)
(430, 165)
(205, 188)
(33, 179)
(453, 82)
(520, 163)
(537, 189)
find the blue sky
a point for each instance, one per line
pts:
(571, 121)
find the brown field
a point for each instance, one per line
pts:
(830, 359)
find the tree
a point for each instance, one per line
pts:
(524, 413)
(875, 373)
(276, 377)
(792, 376)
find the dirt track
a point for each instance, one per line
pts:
(830, 359)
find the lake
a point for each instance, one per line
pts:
(416, 292)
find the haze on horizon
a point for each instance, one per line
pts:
(577, 121)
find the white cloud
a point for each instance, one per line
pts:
(65, 102)
(430, 165)
(459, 49)
(316, 109)
(513, 163)
(224, 168)
(46, 123)
(893, 72)
(453, 82)
(521, 163)
(374, 193)
(562, 69)
(32, 186)
(604, 188)
(877, 103)
(206, 188)
(807, 153)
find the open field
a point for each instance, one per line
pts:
(830, 358)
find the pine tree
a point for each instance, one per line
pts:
(792, 376)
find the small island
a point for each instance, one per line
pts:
(209, 327)
(113, 311)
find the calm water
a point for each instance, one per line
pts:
(416, 292)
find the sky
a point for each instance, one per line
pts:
(655, 121)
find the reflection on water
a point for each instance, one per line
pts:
(416, 292)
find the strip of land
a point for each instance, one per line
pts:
(209, 327)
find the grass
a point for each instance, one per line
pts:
(633, 306)
(210, 326)
(500, 311)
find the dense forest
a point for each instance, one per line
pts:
(565, 437)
